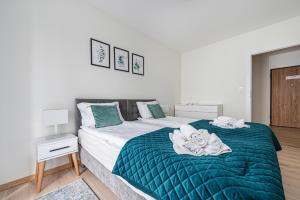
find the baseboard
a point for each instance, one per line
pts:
(30, 178)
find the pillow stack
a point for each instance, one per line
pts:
(98, 115)
(150, 109)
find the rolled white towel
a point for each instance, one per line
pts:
(197, 142)
(241, 124)
(193, 149)
(229, 122)
(178, 138)
(199, 139)
(204, 132)
(216, 146)
(178, 141)
(187, 130)
(225, 119)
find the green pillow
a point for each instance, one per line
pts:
(105, 116)
(156, 111)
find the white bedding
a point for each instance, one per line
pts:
(120, 134)
(169, 121)
(105, 144)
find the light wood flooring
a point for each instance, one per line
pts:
(289, 159)
(55, 181)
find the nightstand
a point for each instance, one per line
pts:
(55, 146)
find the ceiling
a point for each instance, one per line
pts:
(184, 25)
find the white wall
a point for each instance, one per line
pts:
(262, 65)
(261, 89)
(16, 91)
(221, 72)
(284, 58)
(46, 64)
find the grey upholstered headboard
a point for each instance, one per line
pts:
(128, 108)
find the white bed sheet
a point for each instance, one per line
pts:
(105, 144)
(120, 134)
(99, 148)
(169, 121)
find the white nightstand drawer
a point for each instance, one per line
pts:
(48, 151)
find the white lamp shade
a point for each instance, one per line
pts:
(55, 117)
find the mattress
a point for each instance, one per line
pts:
(99, 148)
(105, 144)
(169, 121)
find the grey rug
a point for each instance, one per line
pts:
(77, 190)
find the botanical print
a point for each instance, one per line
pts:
(121, 58)
(100, 53)
(137, 64)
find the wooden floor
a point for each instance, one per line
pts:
(53, 182)
(289, 159)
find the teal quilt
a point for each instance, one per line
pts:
(250, 171)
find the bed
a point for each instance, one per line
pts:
(98, 155)
(159, 173)
(100, 151)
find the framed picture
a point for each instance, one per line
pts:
(100, 53)
(121, 59)
(137, 64)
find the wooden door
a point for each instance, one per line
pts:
(285, 97)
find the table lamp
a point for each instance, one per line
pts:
(55, 118)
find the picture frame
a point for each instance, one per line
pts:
(138, 64)
(100, 53)
(121, 59)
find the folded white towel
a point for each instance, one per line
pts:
(229, 122)
(216, 146)
(179, 138)
(198, 143)
(187, 130)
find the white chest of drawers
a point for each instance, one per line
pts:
(199, 111)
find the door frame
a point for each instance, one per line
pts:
(271, 90)
(248, 93)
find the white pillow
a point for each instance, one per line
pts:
(87, 117)
(143, 109)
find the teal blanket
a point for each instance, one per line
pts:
(250, 171)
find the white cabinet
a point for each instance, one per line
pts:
(54, 146)
(199, 111)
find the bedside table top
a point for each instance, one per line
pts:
(56, 138)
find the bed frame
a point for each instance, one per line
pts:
(129, 112)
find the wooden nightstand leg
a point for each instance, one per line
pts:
(36, 172)
(41, 167)
(74, 158)
(71, 160)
